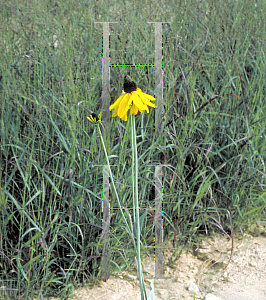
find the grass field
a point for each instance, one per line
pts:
(51, 180)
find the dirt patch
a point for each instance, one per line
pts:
(244, 278)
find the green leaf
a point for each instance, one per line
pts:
(151, 295)
(141, 219)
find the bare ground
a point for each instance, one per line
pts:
(209, 267)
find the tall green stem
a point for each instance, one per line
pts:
(136, 203)
(113, 185)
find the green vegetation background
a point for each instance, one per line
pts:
(213, 143)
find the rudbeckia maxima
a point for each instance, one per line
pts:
(132, 97)
(93, 118)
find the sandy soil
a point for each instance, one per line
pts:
(244, 278)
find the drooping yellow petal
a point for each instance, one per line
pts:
(137, 101)
(140, 93)
(118, 101)
(147, 101)
(124, 105)
(134, 109)
(124, 117)
(115, 113)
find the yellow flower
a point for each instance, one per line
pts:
(131, 94)
(94, 118)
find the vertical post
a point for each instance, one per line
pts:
(105, 224)
(158, 223)
(106, 136)
(158, 79)
(158, 169)
(105, 78)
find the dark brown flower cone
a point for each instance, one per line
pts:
(129, 85)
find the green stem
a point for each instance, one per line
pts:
(136, 203)
(113, 185)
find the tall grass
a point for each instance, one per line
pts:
(51, 178)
